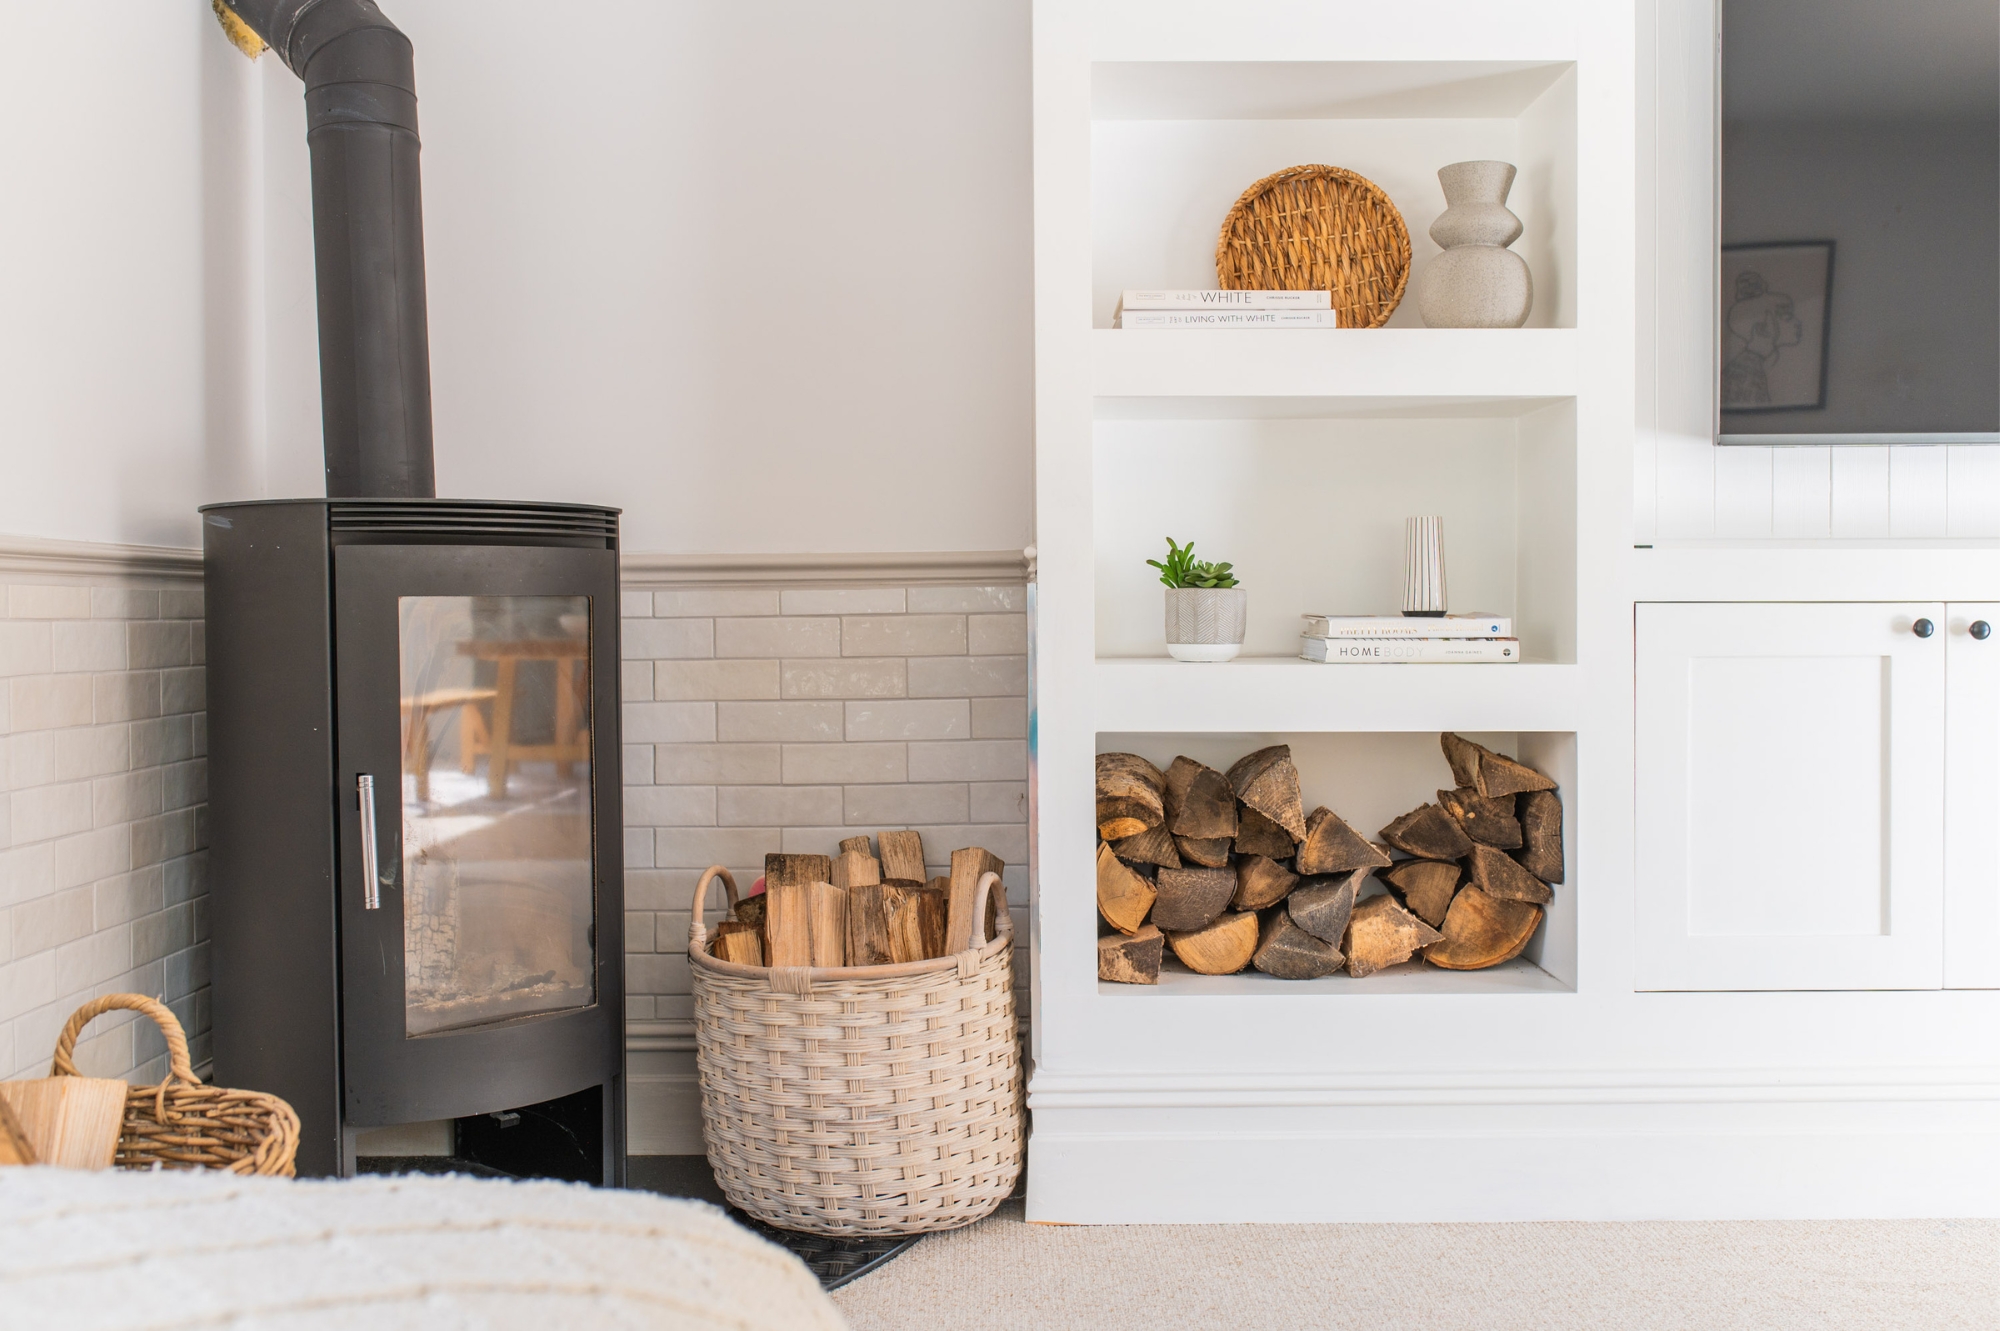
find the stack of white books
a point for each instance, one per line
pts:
(1393, 639)
(1227, 309)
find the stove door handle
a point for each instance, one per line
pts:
(371, 884)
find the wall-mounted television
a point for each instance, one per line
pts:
(1859, 300)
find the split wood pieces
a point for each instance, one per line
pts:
(968, 866)
(1542, 835)
(805, 915)
(1290, 953)
(72, 1122)
(1381, 933)
(1211, 853)
(1200, 802)
(1487, 772)
(856, 868)
(1123, 895)
(1331, 846)
(15, 1148)
(1190, 899)
(1268, 782)
(1490, 821)
(1261, 882)
(1131, 960)
(1322, 906)
(1258, 835)
(1495, 873)
(1481, 931)
(902, 858)
(1130, 795)
(1155, 845)
(1222, 947)
(736, 941)
(1428, 833)
(1427, 887)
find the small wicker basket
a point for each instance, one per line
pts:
(1318, 228)
(862, 1100)
(180, 1123)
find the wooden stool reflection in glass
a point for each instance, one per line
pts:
(495, 739)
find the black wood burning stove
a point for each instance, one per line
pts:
(415, 826)
(415, 835)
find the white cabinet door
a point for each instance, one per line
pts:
(1972, 796)
(1790, 796)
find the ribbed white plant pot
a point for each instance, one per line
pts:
(1206, 623)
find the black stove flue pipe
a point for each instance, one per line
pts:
(368, 240)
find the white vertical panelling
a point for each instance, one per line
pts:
(1917, 492)
(1646, 302)
(1972, 491)
(1971, 798)
(1801, 492)
(1743, 492)
(1860, 498)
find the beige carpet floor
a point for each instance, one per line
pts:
(1822, 1275)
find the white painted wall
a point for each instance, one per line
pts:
(124, 271)
(759, 273)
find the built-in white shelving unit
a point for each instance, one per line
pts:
(1553, 1086)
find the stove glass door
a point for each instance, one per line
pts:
(498, 901)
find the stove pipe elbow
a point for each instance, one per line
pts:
(368, 240)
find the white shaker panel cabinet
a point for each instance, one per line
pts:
(1972, 795)
(1790, 796)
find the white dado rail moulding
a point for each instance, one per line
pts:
(45, 557)
(847, 569)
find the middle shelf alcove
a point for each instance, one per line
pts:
(1307, 497)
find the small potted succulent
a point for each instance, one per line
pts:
(1206, 609)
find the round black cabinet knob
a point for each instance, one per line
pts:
(1981, 630)
(1923, 628)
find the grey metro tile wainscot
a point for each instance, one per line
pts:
(902, 635)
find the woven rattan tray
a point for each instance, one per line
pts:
(1318, 228)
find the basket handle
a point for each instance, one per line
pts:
(989, 882)
(179, 1066)
(697, 931)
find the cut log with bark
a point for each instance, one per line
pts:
(1206, 808)
(1495, 873)
(829, 924)
(1191, 898)
(750, 911)
(1428, 833)
(1427, 887)
(788, 924)
(1223, 947)
(902, 858)
(794, 870)
(1258, 835)
(1155, 845)
(1541, 852)
(1212, 854)
(1322, 906)
(906, 926)
(1381, 933)
(1261, 882)
(1130, 795)
(858, 843)
(933, 905)
(1331, 846)
(1463, 755)
(968, 866)
(1480, 931)
(1290, 953)
(1133, 960)
(1486, 819)
(871, 912)
(855, 868)
(737, 942)
(1180, 774)
(1268, 782)
(1123, 894)
(1500, 775)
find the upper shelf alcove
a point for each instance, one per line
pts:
(1173, 143)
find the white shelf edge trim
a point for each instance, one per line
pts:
(1179, 1090)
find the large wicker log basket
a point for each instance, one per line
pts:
(180, 1123)
(861, 1100)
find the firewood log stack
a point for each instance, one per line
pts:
(855, 909)
(1228, 870)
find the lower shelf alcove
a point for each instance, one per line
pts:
(1370, 778)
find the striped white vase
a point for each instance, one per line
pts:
(1206, 623)
(1423, 566)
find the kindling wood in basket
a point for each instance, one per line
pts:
(180, 1123)
(861, 1099)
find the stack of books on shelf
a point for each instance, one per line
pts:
(1226, 309)
(1395, 639)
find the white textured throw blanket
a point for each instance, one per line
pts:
(122, 1249)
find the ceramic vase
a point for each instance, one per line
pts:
(1477, 282)
(1423, 567)
(1206, 623)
